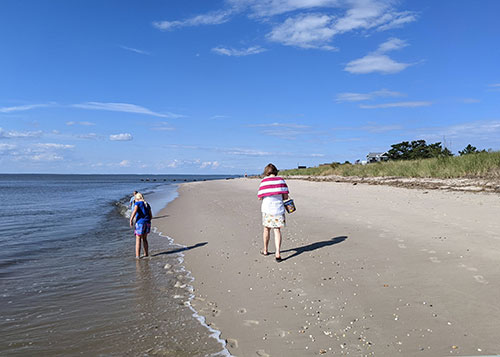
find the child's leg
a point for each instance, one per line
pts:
(145, 244)
(277, 241)
(265, 237)
(137, 246)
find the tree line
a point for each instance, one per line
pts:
(419, 149)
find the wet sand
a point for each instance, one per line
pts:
(367, 270)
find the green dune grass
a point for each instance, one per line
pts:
(479, 165)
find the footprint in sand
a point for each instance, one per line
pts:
(242, 311)
(281, 333)
(232, 343)
(432, 252)
(402, 246)
(480, 279)
(468, 268)
(434, 260)
(250, 322)
(262, 353)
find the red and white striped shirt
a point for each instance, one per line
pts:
(272, 185)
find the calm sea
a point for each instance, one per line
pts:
(69, 280)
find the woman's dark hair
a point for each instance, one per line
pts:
(270, 170)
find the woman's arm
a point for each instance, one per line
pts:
(132, 216)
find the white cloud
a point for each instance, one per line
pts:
(163, 126)
(54, 146)
(209, 164)
(379, 62)
(124, 107)
(475, 132)
(83, 123)
(48, 156)
(219, 117)
(238, 53)
(6, 147)
(373, 14)
(391, 45)
(92, 136)
(305, 31)
(173, 164)
(495, 87)
(358, 97)
(124, 163)
(19, 134)
(397, 19)
(267, 8)
(396, 105)
(470, 100)
(121, 137)
(40, 152)
(317, 30)
(280, 125)
(247, 152)
(135, 50)
(375, 63)
(283, 130)
(22, 107)
(353, 97)
(213, 18)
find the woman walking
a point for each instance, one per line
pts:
(142, 214)
(272, 191)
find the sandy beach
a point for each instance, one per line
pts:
(367, 270)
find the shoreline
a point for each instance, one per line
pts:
(213, 333)
(367, 270)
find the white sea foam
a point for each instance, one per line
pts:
(213, 332)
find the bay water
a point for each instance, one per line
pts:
(69, 280)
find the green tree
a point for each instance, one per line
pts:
(469, 149)
(417, 149)
(400, 151)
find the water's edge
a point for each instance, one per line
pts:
(215, 334)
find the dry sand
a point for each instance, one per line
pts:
(367, 270)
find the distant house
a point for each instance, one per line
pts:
(377, 157)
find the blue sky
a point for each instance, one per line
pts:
(181, 86)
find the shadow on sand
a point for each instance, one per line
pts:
(179, 250)
(313, 246)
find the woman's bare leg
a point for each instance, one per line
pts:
(137, 246)
(265, 237)
(277, 241)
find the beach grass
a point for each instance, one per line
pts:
(478, 165)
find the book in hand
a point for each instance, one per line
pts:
(289, 206)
